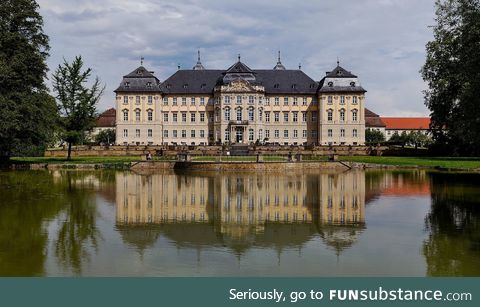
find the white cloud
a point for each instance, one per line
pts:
(382, 41)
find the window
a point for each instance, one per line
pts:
(175, 133)
(330, 133)
(192, 117)
(260, 115)
(277, 101)
(227, 99)
(260, 134)
(184, 133)
(202, 117)
(250, 99)
(165, 101)
(239, 99)
(295, 101)
(277, 134)
(354, 100)
(295, 117)
(267, 117)
(330, 99)
(192, 133)
(125, 132)
(285, 101)
(342, 99)
(239, 114)
(149, 133)
(285, 116)
(174, 101)
(355, 133)
(175, 117)
(202, 101)
(150, 115)
(354, 115)
(125, 115)
(251, 114)
(137, 100)
(202, 133)
(125, 99)
(150, 100)
(137, 133)
(184, 101)
(342, 132)
(304, 117)
(165, 133)
(304, 101)
(342, 115)
(267, 134)
(184, 117)
(192, 101)
(165, 117)
(227, 134)
(329, 115)
(314, 116)
(227, 114)
(137, 115)
(250, 135)
(267, 101)
(277, 116)
(285, 133)
(304, 134)
(295, 133)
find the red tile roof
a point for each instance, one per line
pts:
(107, 118)
(406, 123)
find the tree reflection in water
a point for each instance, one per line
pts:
(453, 244)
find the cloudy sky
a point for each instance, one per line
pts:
(382, 41)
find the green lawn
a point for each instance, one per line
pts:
(76, 160)
(445, 162)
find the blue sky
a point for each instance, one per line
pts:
(381, 41)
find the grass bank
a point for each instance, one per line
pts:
(75, 160)
(443, 162)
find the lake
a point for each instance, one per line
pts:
(172, 223)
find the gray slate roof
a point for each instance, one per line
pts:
(139, 80)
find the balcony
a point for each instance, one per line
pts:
(239, 122)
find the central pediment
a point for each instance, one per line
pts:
(239, 86)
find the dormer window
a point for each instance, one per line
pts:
(276, 85)
(126, 84)
(352, 84)
(294, 86)
(185, 85)
(312, 85)
(203, 85)
(169, 86)
(149, 84)
(139, 72)
(330, 84)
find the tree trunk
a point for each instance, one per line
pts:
(69, 151)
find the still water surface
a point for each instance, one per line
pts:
(355, 223)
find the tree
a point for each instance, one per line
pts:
(452, 72)
(106, 136)
(374, 136)
(76, 101)
(29, 114)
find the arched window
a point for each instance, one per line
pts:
(239, 114)
(137, 115)
(342, 115)
(150, 115)
(329, 115)
(251, 114)
(355, 115)
(227, 113)
(260, 114)
(125, 115)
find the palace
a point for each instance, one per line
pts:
(202, 106)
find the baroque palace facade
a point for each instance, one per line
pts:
(240, 105)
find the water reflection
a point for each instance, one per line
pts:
(241, 210)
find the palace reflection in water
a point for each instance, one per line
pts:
(241, 207)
